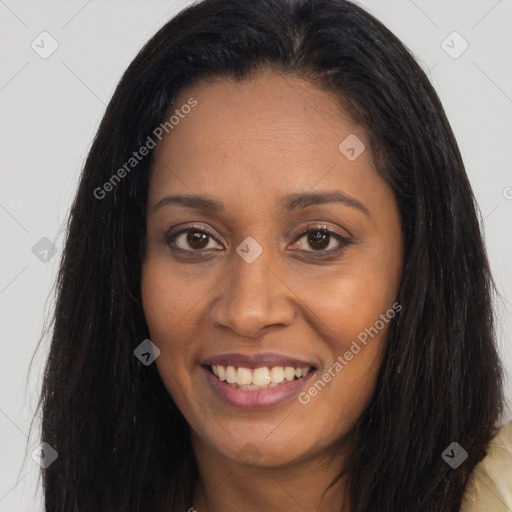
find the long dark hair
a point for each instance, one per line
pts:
(122, 443)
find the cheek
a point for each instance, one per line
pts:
(170, 300)
(344, 305)
(166, 302)
(165, 312)
(158, 288)
(353, 346)
(352, 312)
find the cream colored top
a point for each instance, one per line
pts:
(490, 485)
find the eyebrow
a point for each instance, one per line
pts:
(288, 203)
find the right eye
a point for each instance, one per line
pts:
(191, 239)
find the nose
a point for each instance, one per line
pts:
(253, 299)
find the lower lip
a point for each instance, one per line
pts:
(254, 398)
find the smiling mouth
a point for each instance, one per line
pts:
(257, 378)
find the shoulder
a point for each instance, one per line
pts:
(490, 485)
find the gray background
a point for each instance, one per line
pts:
(50, 109)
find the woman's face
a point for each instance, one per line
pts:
(234, 285)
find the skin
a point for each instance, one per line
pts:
(247, 144)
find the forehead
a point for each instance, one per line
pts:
(271, 134)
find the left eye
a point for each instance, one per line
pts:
(319, 239)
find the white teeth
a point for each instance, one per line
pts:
(259, 378)
(243, 376)
(289, 373)
(277, 374)
(230, 374)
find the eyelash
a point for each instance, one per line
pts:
(343, 240)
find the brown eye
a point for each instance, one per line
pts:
(191, 240)
(318, 240)
(197, 239)
(322, 241)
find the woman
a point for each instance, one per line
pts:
(274, 293)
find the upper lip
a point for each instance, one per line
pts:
(255, 361)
